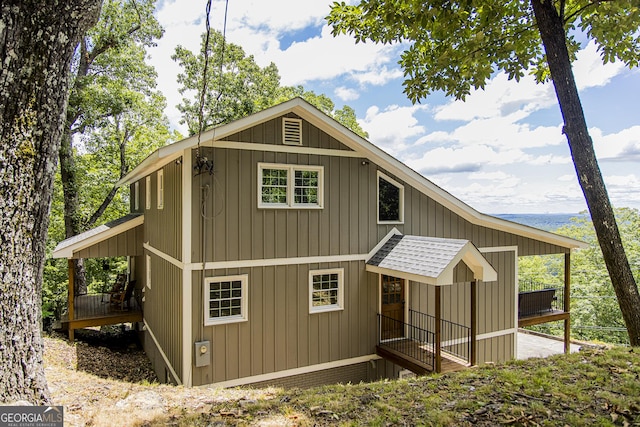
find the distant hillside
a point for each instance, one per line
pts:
(548, 222)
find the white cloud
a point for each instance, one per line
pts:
(313, 55)
(346, 94)
(589, 71)
(378, 76)
(566, 178)
(620, 146)
(624, 190)
(470, 158)
(500, 97)
(326, 57)
(392, 127)
(504, 131)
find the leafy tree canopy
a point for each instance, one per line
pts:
(237, 86)
(595, 314)
(454, 46)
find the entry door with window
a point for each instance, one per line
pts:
(392, 325)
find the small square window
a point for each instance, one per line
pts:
(326, 290)
(225, 300)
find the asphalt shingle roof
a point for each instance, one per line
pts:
(423, 256)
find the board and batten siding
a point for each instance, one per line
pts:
(270, 132)
(163, 311)
(228, 223)
(128, 243)
(455, 298)
(280, 333)
(163, 227)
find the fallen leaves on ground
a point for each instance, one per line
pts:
(103, 386)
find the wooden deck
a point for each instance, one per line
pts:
(399, 352)
(95, 310)
(548, 316)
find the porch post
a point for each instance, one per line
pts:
(474, 324)
(70, 302)
(567, 302)
(438, 337)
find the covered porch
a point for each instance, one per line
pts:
(408, 337)
(122, 237)
(539, 303)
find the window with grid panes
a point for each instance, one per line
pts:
(290, 186)
(274, 186)
(225, 299)
(306, 187)
(326, 290)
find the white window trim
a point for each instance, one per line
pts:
(147, 191)
(400, 187)
(332, 307)
(136, 196)
(148, 268)
(160, 185)
(291, 169)
(244, 306)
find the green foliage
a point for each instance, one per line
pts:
(455, 46)
(115, 119)
(595, 313)
(238, 87)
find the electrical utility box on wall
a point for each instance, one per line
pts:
(202, 353)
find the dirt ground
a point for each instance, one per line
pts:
(105, 379)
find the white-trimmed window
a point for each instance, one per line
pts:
(326, 290)
(390, 200)
(147, 192)
(136, 195)
(160, 189)
(290, 186)
(225, 299)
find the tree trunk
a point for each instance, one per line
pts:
(553, 36)
(72, 223)
(37, 41)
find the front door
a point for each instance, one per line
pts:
(392, 325)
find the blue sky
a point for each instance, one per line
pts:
(500, 151)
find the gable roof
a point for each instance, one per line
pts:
(67, 247)
(359, 145)
(429, 260)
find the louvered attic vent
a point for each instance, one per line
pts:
(291, 131)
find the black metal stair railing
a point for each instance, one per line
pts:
(407, 339)
(455, 338)
(417, 338)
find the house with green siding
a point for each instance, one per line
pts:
(284, 249)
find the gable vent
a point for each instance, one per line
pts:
(291, 131)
